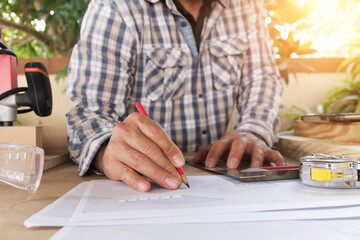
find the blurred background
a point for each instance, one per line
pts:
(316, 45)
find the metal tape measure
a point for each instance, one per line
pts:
(322, 170)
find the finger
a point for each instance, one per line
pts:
(236, 153)
(216, 150)
(150, 169)
(142, 144)
(201, 153)
(119, 171)
(250, 144)
(155, 133)
(257, 156)
(276, 157)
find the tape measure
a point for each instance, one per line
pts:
(322, 170)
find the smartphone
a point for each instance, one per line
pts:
(336, 117)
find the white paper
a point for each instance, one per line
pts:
(208, 195)
(58, 213)
(275, 230)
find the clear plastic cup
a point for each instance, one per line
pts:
(21, 169)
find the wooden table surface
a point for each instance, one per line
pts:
(55, 183)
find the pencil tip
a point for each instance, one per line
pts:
(187, 184)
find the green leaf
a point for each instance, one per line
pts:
(292, 115)
(62, 73)
(347, 62)
(341, 101)
(61, 28)
(356, 71)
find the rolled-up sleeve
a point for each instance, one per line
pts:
(99, 78)
(261, 86)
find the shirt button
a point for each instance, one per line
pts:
(204, 132)
(183, 24)
(200, 95)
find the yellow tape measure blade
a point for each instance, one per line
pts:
(324, 175)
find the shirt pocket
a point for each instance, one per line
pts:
(166, 70)
(226, 61)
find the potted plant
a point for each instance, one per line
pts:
(286, 20)
(346, 98)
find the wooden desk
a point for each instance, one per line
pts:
(55, 183)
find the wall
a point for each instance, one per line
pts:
(309, 89)
(60, 105)
(60, 102)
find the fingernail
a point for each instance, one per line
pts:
(178, 161)
(143, 187)
(176, 175)
(172, 183)
(232, 163)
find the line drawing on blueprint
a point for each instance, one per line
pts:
(111, 196)
(156, 202)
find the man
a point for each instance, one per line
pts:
(188, 62)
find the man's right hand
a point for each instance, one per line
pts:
(140, 148)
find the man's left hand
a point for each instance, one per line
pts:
(236, 144)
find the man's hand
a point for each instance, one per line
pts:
(236, 144)
(140, 148)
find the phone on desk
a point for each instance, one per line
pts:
(336, 117)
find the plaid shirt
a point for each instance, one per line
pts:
(144, 50)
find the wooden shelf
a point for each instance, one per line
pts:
(53, 139)
(346, 132)
(296, 147)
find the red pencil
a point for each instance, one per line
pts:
(141, 110)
